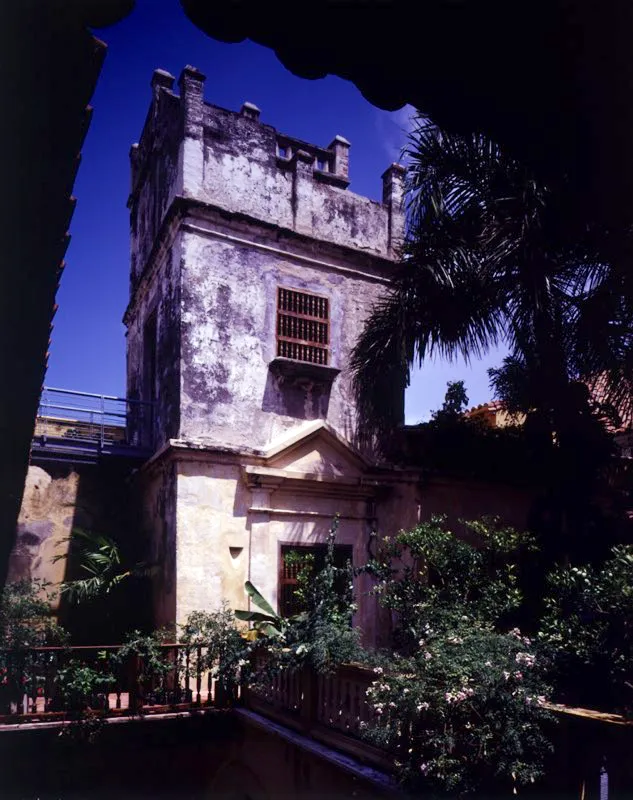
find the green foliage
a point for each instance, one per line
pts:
(466, 712)
(322, 636)
(464, 698)
(80, 685)
(25, 617)
(152, 659)
(268, 623)
(216, 644)
(429, 576)
(587, 631)
(455, 402)
(99, 559)
(488, 258)
(305, 566)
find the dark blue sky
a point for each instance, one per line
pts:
(88, 347)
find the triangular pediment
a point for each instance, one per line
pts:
(316, 449)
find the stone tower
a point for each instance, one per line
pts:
(253, 269)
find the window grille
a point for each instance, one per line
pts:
(289, 604)
(303, 326)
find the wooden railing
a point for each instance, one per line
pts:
(45, 684)
(331, 708)
(590, 748)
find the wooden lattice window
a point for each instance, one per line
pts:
(289, 604)
(303, 326)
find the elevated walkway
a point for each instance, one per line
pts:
(82, 427)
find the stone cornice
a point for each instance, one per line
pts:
(312, 483)
(254, 462)
(288, 243)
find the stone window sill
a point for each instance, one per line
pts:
(303, 370)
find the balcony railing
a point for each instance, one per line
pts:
(72, 420)
(44, 684)
(331, 708)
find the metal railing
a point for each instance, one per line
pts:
(81, 418)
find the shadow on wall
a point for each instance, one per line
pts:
(293, 397)
(96, 498)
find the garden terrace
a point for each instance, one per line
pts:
(591, 749)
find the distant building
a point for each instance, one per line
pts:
(494, 415)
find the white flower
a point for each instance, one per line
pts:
(518, 675)
(455, 640)
(405, 691)
(506, 675)
(392, 704)
(525, 658)
(427, 655)
(422, 707)
(378, 711)
(424, 768)
(488, 664)
(378, 670)
(422, 642)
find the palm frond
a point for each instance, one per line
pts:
(98, 557)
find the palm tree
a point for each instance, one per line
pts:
(98, 560)
(491, 257)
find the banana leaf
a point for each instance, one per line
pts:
(255, 616)
(259, 601)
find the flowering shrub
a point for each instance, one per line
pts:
(25, 622)
(587, 631)
(465, 712)
(463, 703)
(430, 577)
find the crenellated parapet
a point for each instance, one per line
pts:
(234, 161)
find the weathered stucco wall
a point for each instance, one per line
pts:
(154, 181)
(468, 500)
(231, 524)
(229, 292)
(46, 519)
(243, 174)
(224, 209)
(60, 497)
(157, 491)
(212, 540)
(158, 299)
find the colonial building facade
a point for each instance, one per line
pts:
(253, 269)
